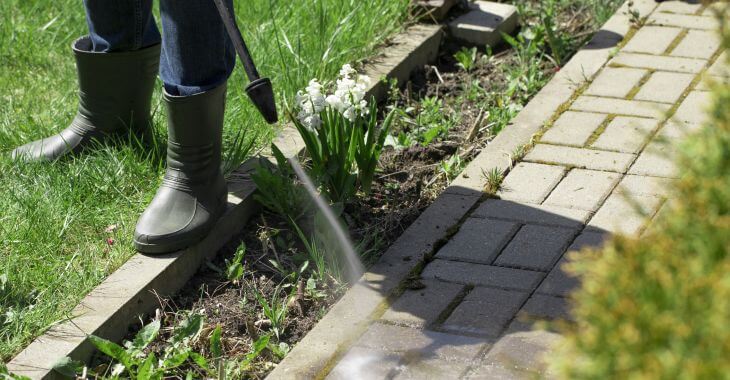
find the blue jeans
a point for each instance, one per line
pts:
(197, 54)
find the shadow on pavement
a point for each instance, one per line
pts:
(485, 278)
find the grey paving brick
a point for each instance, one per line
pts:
(656, 160)
(479, 240)
(484, 275)
(626, 134)
(644, 185)
(545, 307)
(485, 311)
(580, 158)
(419, 308)
(425, 343)
(573, 128)
(522, 355)
(720, 68)
(365, 364)
(583, 189)
(615, 82)
(665, 87)
(709, 80)
(698, 44)
(674, 132)
(625, 214)
(484, 23)
(620, 106)
(559, 282)
(536, 247)
(431, 369)
(652, 40)
(532, 214)
(682, 7)
(655, 62)
(684, 21)
(694, 109)
(530, 182)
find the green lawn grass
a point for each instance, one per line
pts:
(65, 226)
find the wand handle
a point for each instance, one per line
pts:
(235, 34)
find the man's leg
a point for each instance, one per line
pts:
(116, 65)
(121, 25)
(197, 54)
(197, 60)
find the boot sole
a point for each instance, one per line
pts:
(178, 244)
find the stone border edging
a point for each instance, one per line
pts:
(319, 350)
(133, 289)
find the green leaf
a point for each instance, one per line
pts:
(112, 350)
(258, 346)
(68, 367)
(200, 360)
(216, 348)
(145, 370)
(176, 360)
(146, 335)
(189, 329)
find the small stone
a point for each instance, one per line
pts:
(484, 23)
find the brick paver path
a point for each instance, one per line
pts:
(603, 167)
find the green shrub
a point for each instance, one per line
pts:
(659, 307)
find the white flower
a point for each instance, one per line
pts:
(310, 105)
(349, 97)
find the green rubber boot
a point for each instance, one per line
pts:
(192, 196)
(115, 91)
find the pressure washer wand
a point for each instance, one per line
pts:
(259, 90)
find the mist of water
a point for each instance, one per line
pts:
(354, 268)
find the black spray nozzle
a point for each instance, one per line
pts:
(259, 90)
(262, 95)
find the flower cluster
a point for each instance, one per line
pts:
(311, 103)
(348, 98)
